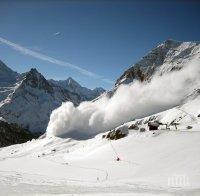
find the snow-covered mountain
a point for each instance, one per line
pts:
(71, 85)
(139, 162)
(171, 73)
(28, 99)
(166, 57)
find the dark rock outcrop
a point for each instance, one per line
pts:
(115, 134)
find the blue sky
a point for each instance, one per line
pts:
(101, 37)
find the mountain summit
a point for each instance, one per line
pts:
(169, 56)
(35, 79)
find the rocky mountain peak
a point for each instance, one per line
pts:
(35, 79)
(71, 82)
(99, 90)
(168, 56)
(72, 86)
(169, 43)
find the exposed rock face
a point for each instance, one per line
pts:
(34, 79)
(13, 134)
(168, 56)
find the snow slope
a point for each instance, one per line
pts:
(163, 162)
(149, 164)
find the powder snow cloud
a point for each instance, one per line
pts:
(131, 101)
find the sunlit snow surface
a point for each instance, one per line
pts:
(166, 162)
(149, 164)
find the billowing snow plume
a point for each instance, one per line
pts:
(129, 101)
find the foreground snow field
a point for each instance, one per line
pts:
(163, 164)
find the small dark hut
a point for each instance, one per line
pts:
(153, 126)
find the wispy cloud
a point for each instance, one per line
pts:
(52, 60)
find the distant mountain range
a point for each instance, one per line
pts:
(28, 99)
(72, 86)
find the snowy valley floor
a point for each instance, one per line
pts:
(166, 163)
